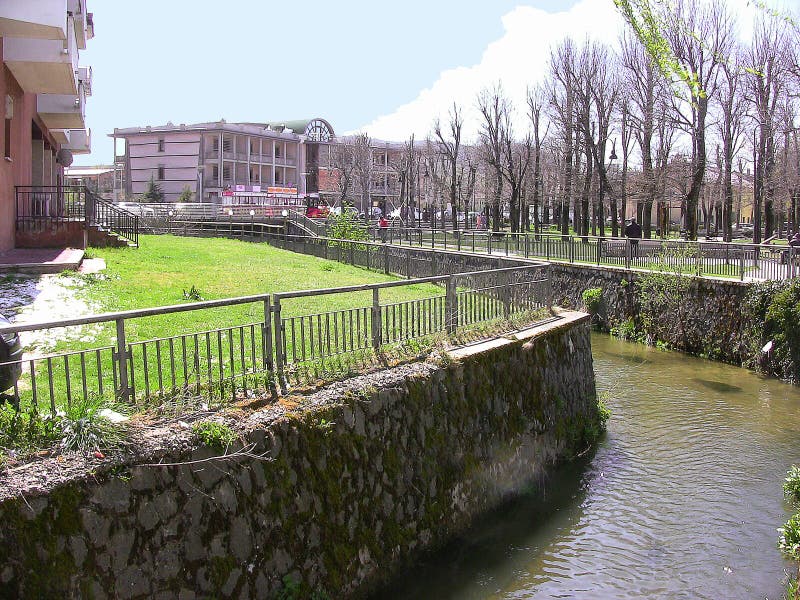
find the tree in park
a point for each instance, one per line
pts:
(154, 193)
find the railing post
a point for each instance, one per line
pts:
(279, 349)
(547, 247)
(121, 356)
(458, 240)
(408, 263)
(549, 285)
(451, 305)
(599, 249)
(488, 242)
(352, 254)
(741, 264)
(571, 249)
(266, 339)
(386, 259)
(527, 250)
(505, 237)
(376, 319)
(628, 252)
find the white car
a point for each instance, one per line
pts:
(137, 209)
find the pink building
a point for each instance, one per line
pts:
(43, 92)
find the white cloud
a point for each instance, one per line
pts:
(517, 60)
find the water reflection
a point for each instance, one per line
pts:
(681, 500)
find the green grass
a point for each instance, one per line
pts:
(158, 273)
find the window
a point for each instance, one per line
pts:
(226, 172)
(161, 173)
(277, 151)
(216, 144)
(226, 145)
(215, 172)
(161, 145)
(7, 130)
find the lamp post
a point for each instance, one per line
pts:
(600, 212)
(230, 221)
(252, 225)
(169, 221)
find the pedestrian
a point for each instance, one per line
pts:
(383, 225)
(634, 233)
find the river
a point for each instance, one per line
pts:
(681, 500)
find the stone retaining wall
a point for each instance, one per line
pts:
(338, 489)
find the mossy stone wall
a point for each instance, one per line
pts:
(353, 482)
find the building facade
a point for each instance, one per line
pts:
(211, 162)
(222, 162)
(43, 90)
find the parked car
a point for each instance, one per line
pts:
(746, 229)
(10, 351)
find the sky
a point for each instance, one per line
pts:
(387, 68)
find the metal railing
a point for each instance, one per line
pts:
(111, 217)
(714, 259)
(45, 208)
(268, 341)
(42, 207)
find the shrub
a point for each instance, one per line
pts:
(592, 298)
(213, 434)
(791, 485)
(774, 311)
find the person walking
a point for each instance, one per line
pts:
(634, 233)
(383, 226)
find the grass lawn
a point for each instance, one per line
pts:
(158, 273)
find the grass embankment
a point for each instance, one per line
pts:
(164, 267)
(219, 365)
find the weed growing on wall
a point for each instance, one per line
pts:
(214, 435)
(662, 293)
(789, 538)
(774, 311)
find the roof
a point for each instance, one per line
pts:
(308, 127)
(87, 171)
(316, 129)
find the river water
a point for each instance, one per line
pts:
(681, 500)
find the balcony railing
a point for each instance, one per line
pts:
(49, 208)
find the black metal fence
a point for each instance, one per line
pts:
(276, 339)
(47, 208)
(716, 259)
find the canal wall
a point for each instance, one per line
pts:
(335, 490)
(709, 319)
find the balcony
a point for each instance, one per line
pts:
(44, 19)
(78, 10)
(43, 66)
(61, 136)
(62, 111)
(85, 78)
(80, 141)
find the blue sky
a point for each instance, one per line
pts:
(350, 62)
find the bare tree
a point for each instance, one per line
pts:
(767, 80)
(700, 36)
(449, 147)
(493, 108)
(562, 102)
(732, 107)
(536, 103)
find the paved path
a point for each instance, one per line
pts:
(40, 260)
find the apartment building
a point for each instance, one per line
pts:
(220, 161)
(43, 89)
(247, 162)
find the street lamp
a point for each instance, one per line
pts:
(252, 226)
(169, 221)
(601, 216)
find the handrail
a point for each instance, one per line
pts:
(119, 221)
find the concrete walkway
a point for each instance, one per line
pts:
(40, 260)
